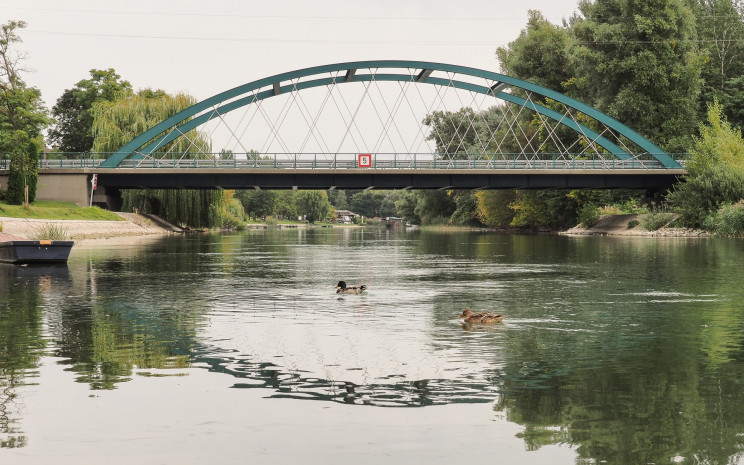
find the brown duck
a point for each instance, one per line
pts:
(485, 318)
(343, 289)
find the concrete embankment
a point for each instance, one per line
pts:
(131, 225)
(618, 225)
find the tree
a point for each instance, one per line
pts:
(22, 118)
(720, 28)
(338, 199)
(286, 204)
(492, 207)
(466, 211)
(259, 203)
(314, 205)
(24, 169)
(540, 54)
(716, 171)
(434, 206)
(74, 109)
(117, 122)
(406, 207)
(638, 61)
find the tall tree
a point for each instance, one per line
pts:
(638, 61)
(22, 118)
(314, 205)
(117, 122)
(258, 203)
(720, 28)
(540, 54)
(74, 109)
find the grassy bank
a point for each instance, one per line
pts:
(50, 210)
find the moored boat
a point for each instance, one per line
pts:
(29, 251)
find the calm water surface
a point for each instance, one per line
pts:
(235, 349)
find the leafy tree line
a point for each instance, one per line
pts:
(316, 205)
(658, 66)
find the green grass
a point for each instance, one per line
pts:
(51, 210)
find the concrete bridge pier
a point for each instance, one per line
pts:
(73, 188)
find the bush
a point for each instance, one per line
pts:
(633, 223)
(727, 221)
(51, 231)
(588, 215)
(698, 196)
(655, 220)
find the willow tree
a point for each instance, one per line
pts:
(117, 122)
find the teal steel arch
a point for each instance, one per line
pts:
(227, 101)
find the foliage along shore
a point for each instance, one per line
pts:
(674, 68)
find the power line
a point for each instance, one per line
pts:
(362, 41)
(285, 16)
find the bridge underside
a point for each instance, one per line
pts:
(657, 180)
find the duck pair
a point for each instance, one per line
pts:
(484, 318)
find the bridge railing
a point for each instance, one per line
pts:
(386, 161)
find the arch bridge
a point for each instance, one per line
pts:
(385, 124)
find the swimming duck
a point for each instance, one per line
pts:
(342, 289)
(486, 318)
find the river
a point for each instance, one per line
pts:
(235, 348)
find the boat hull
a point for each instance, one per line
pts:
(35, 251)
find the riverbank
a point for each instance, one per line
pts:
(131, 224)
(631, 225)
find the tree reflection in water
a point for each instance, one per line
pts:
(601, 351)
(21, 341)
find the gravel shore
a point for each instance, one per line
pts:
(131, 225)
(617, 225)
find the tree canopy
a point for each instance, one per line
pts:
(74, 109)
(22, 118)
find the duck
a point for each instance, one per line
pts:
(343, 289)
(485, 318)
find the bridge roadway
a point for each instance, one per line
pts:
(365, 178)
(70, 179)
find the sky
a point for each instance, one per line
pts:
(202, 48)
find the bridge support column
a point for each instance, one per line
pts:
(64, 187)
(110, 198)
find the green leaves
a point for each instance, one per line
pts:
(74, 113)
(22, 119)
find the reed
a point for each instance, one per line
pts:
(51, 231)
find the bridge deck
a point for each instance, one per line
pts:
(363, 178)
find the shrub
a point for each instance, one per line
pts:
(633, 223)
(727, 221)
(588, 215)
(51, 231)
(657, 219)
(698, 196)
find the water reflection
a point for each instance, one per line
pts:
(24, 289)
(627, 350)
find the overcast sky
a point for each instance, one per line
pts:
(203, 48)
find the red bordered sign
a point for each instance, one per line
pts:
(365, 160)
